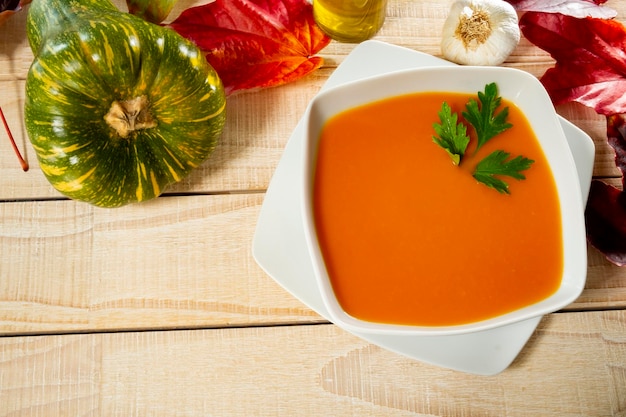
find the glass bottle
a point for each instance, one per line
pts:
(350, 20)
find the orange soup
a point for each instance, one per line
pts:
(409, 238)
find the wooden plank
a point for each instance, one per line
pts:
(15, 53)
(605, 286)
(574, 365)
(171, 263)
(415, 25)
(595, 126)
(256, 133)
(245, 158)
(45, 239)
(250, 147)
(68, 266)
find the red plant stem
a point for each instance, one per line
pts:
(23, 162)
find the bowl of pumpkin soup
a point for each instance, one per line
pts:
(441, 201)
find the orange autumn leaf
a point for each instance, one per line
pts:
(255, 43)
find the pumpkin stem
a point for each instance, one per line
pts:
(130, 115)
(23, 162)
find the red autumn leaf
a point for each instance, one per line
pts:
(590, 59)
(605, 216)
(576, 8)
(255, 43)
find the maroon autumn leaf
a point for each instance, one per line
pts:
(255, 43)
(590, 59)
(605, 216)
(605, 219)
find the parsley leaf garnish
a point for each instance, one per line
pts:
(452, 136)
(496, 164)
(484, 118)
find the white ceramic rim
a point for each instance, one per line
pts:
(515, 85)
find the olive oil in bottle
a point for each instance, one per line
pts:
(350, 20)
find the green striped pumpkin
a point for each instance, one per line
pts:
(116, 108)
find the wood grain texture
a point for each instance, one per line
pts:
(255, 135)
(175, 262)
(316, 370)
(179, 261)
(69, 267)
(159, 309)
(245, 157)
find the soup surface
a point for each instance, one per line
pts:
(409, 238)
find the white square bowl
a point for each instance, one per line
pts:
(520, 88)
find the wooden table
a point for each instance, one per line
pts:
(159, 309)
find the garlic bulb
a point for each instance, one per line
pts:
(480, 32)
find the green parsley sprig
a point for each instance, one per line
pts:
(496, 164)
(484, 118)
(452, 135)
(487, 123)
